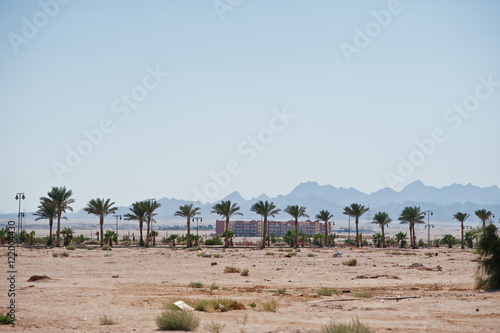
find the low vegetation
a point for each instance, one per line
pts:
(71, 247)
(5, 319)
(196, 285)
(215, 326)
(107, 320)
(351, 262)
(244, 272)
(355, 326)
(268, 306)
(216, 304)
(177, 320)
(282, 291)
(60, 254)
(106, 248)
(488, 248)
(324, 291)
(364, 294)
(231, 269)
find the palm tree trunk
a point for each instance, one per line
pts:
(263, 245)
(357, 232)
(383, 237)
(189, 233)
(326, 234)
(226, 240)
(140, 231)
(101, 222)
(58, 241)
(462, 235)
(50, 231)
(411, 236)
(414, 236)
(147, 231)
(296, 232)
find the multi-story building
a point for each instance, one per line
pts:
(253, 228)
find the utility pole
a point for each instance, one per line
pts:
(428, 226)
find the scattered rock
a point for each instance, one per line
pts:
(213, 264)
(38, 277)
(115, 276)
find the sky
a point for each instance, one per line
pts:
(131, 100)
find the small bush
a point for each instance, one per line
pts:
(106, 248)
(71, 247)
(244, 272)
(177, 320)
(214, 286)
(107, 255)
(218, 256)
(354, 327)
(231, 269)
(6, 319)
(270, 253)
(282, 291)
(89, 248)
(215, 326)
(311, 255)
(252, 305)
(107, 320)
(196, 248)
(324, 291)
(55, 254)
(352, 262)
(268, 306)
(196, 285)
(64, 254)
(364, 294)
(430, 254)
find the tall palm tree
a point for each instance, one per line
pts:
(47, 211)
(68, 235)
(382, 219)
(483, 215)
(226, 210)
(265, 209)
(137, 213)
(356, 210)
(412, 215)
(461, 217)
(101, 208)
(61, 199)
(296, 212)
(325, 216)
(149, 207)
(188, 212)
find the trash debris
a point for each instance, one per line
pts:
(207, 255)
(183, 306)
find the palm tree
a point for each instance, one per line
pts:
(226, 210)
(137, 214)
(149, 207)
(401, 238)
(325, 216)
(461, 217)
(61, 199)
(483, 215)
(265, 209)
(101, 208)
(412, 215)
(296, 212)
(356, 210)
(154, 234)
(68, 235)
(188, 212)
(382, 219)
(47, 211)
(109, 236)
(32, 235)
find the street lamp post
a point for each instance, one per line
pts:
(428, 226)
(117, 216)
(197, 219)
(19, 196)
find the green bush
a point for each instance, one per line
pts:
(107, 320)
(196, 285)
(282, 291)
(106, 248)
(311, 255)
(6, 319)
(364, 294)
(90, 248)
(488, 248)
(177, 320)
(354, 327)
(253, 305)
(71, 247)
(196, 248)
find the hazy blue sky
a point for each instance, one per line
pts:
(360, 85)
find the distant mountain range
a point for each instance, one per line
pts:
(444, 202)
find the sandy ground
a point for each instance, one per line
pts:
(132, 284)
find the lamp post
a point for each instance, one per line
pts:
(197, 219)
(117, 216)
(428, 226)
(349, 232)
(19, 196)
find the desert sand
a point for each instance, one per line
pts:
(132, 284)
